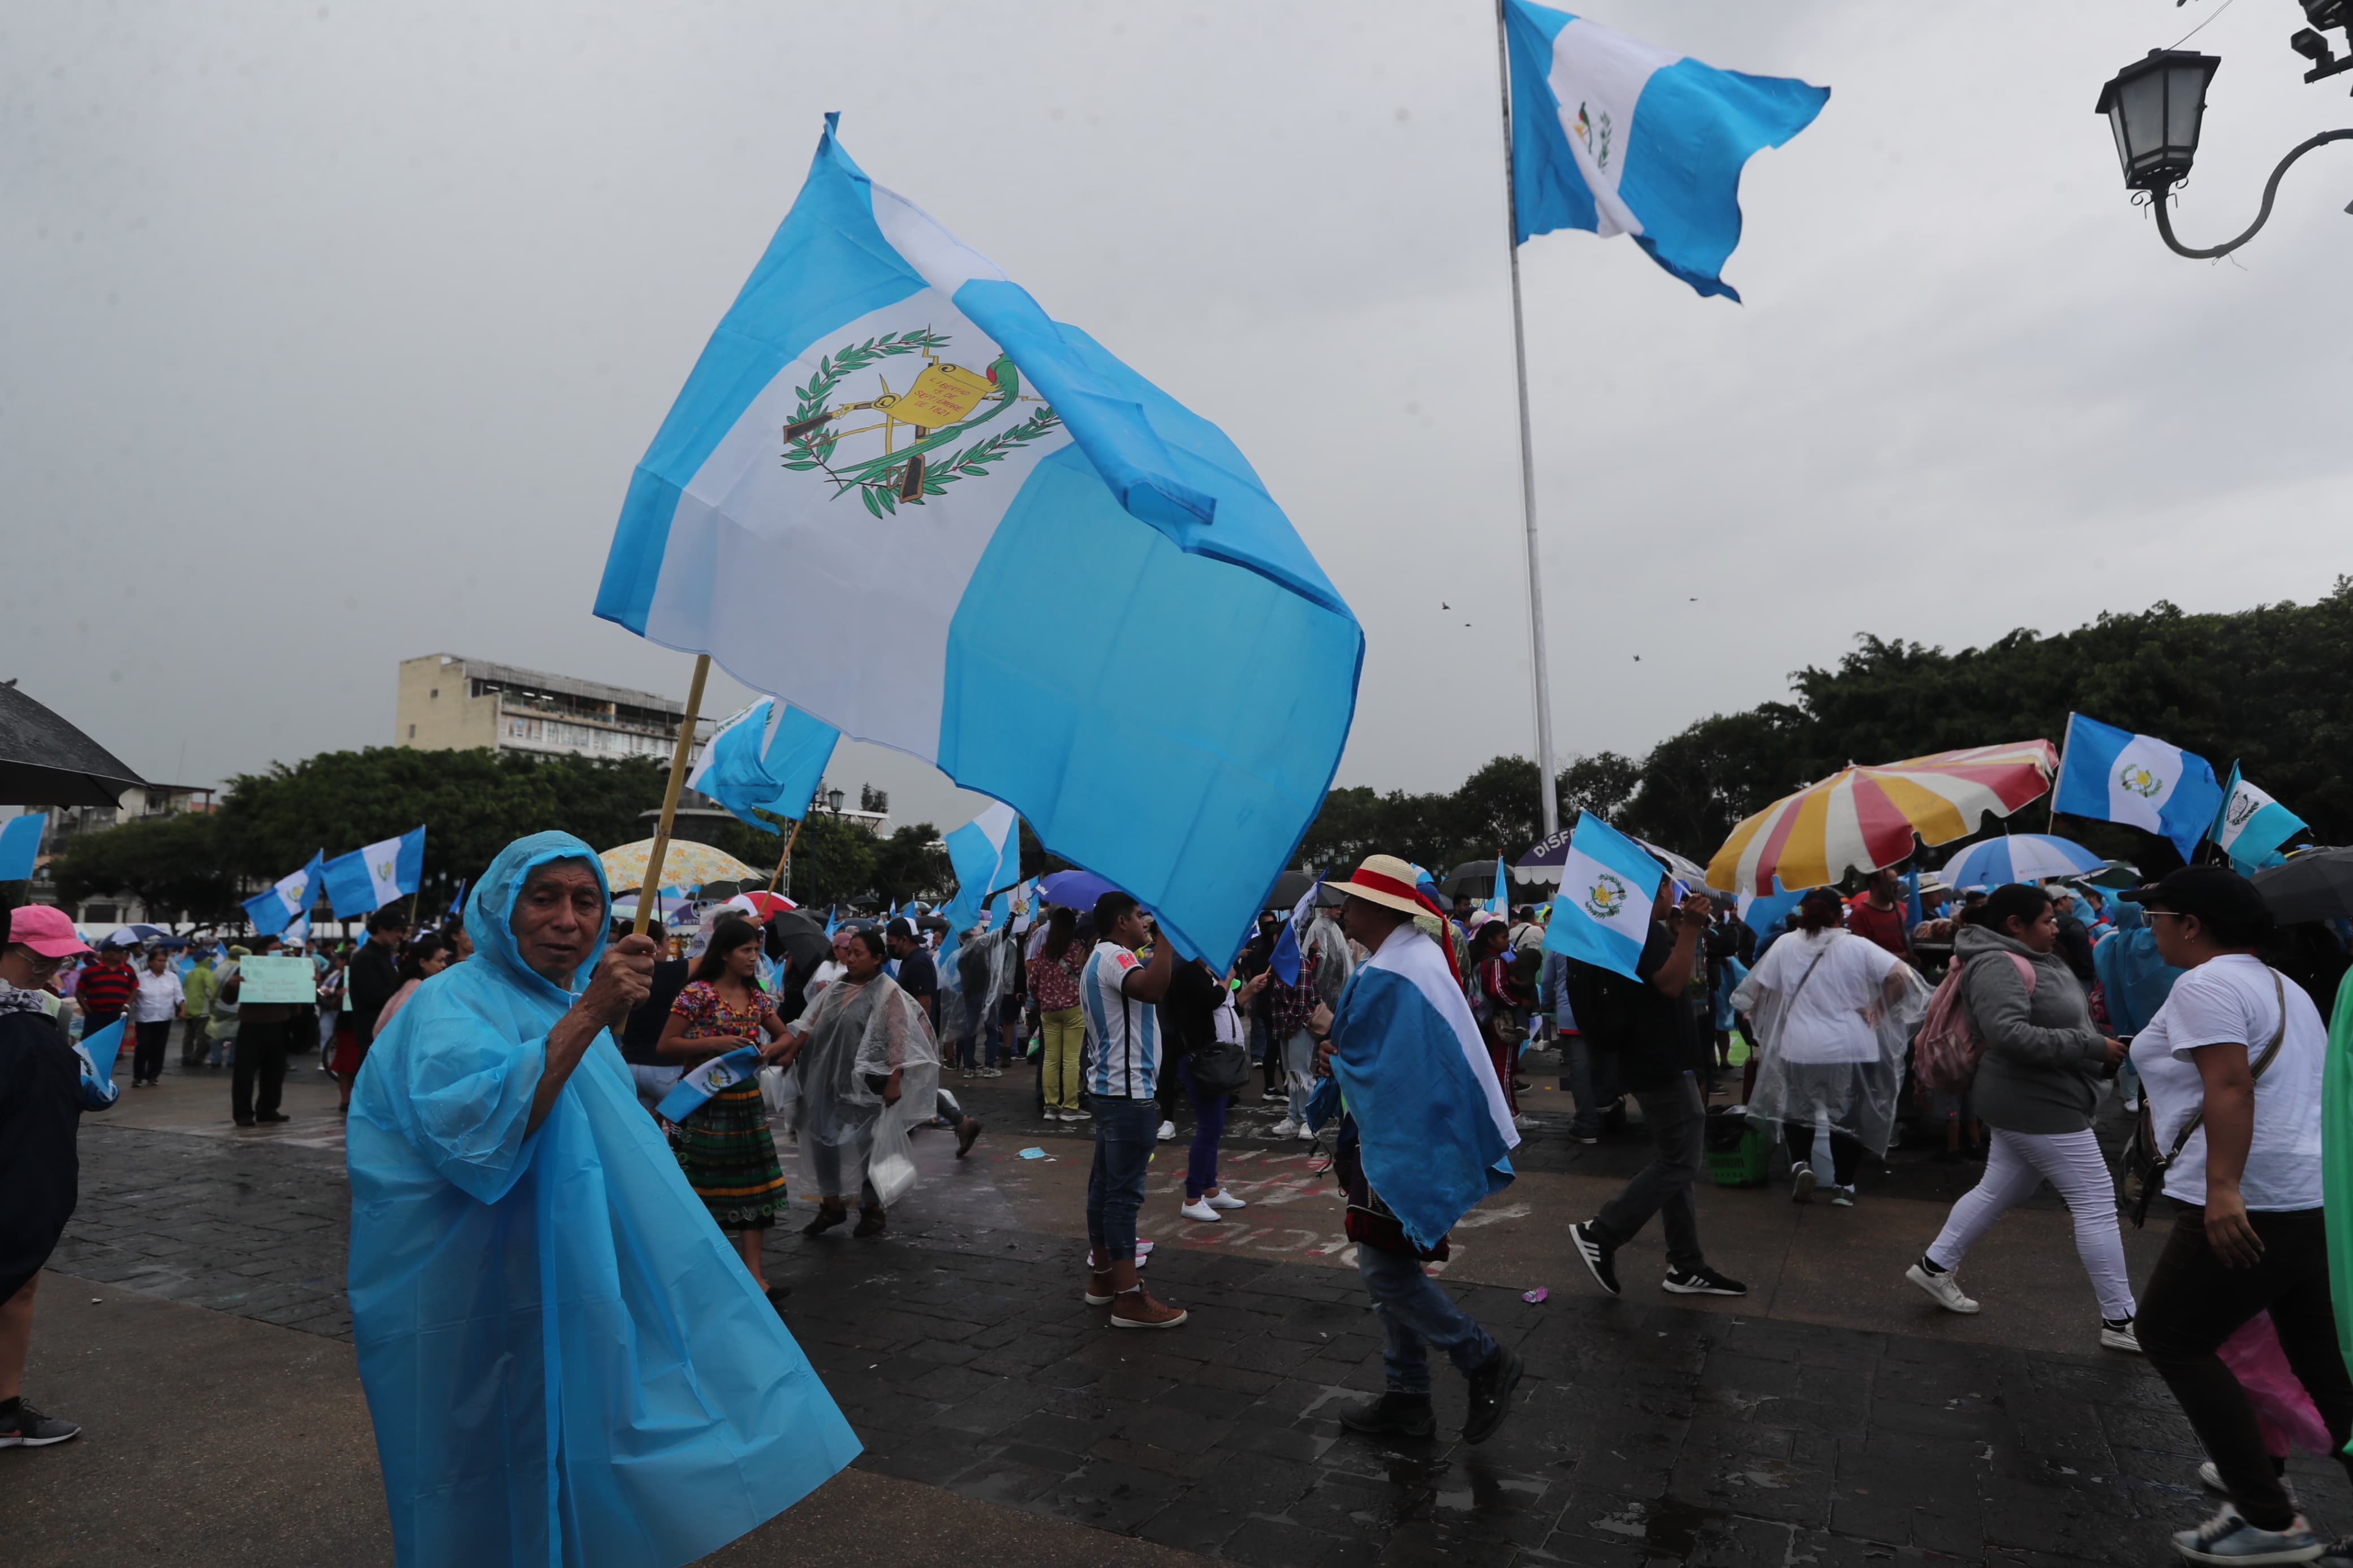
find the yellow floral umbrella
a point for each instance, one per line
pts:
(685, 865)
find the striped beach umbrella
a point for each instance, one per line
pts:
(1860, 819)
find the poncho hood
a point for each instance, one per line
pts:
(490, 912)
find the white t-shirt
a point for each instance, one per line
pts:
(159, 997)
(2231, 999)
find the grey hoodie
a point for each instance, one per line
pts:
(2043, 1056)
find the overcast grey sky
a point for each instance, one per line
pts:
(331, 334)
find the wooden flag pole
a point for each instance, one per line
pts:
(785, 858)
(648, 892)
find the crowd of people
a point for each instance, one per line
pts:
(1999, 1021)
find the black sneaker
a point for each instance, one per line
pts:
(268, 1116)
(1702, 1281)
(1600, 1259)
(966, 1131)
(25, 1427)
(1393, 1415)
(1490, 1393)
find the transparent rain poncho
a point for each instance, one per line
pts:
(858, 1035)
(1834, 1013)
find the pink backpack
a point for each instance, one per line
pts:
(1944, 1055)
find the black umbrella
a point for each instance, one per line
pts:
(2316, 884)
(803, 939)
(1477, 878)
(43, 761)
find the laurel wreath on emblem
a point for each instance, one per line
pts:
(2241, 808)
(909, 474)
(2138, 780)
(1595, 133)
(721, 1078)
(1605, 898)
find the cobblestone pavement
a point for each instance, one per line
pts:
(1643, 1434)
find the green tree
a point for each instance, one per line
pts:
(170, 864)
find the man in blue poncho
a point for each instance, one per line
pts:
(566, 1362)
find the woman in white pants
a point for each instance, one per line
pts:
(2036, 1087)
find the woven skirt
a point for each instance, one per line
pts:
(731, 1162)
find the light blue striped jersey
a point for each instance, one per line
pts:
(1126, 1033)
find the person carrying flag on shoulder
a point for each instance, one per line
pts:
(1425, 1135)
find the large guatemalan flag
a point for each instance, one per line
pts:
(891, 469)
(1407, 1055)
(1613, 135)
(2109, 775)
(276, 908)
(368, 878)
(1607, 886)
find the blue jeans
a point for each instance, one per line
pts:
(1417, 1313)
(965, 1051)
(1126, 1132)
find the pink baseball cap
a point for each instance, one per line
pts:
(47, 930)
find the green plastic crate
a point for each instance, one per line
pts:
(1743, 1164)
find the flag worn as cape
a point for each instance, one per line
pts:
(1437, 1134)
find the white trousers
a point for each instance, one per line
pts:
(2016, 1165)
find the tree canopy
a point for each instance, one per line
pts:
(2265, 687)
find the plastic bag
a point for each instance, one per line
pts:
(780, 1091)
(2284, 1411)
(890, 1165)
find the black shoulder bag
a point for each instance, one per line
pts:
(2144, 1168)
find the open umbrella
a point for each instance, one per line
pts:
(1860, 819)
(804, 939)
(1477, 878)
(761, 903)
(2316, 884)
(43, 761)
(686, 864)
(2018, 858)
(1073, 890)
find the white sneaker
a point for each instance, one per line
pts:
(1801, 1184)
(1199, 1209)
(1287, 1128)
(1945, 1288)
(2119, 1336)
(1306, 1133)
(2230, 1539)
(1167, 1130)
(1523, 1120)
(1222, 1199)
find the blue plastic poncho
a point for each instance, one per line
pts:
(566, 1362)
(2133, 978)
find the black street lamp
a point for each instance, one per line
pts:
(2154, 108)
(833, 798)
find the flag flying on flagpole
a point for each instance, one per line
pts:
(273, 910)
(2109, 775)
(1500, 904)
(886, 431)
(1617, 136)
(366, 879)
(20, 841)
(1607, 885)
(746, 771)
(2249, 827)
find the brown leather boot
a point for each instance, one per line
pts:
(1136, 1309)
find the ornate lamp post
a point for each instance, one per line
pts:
(833, 798)
(2154, 108)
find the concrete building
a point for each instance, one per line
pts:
(449, 703)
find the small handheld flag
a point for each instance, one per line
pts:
(1500, 904)
(1607, 885)
(271, 912)
(366, 879)
(687, 1095)
(1617, 136)
(2249, 828)
(98, 1052)
(1284, 959)
(2109, 775)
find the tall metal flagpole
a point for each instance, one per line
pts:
(1546, 788)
